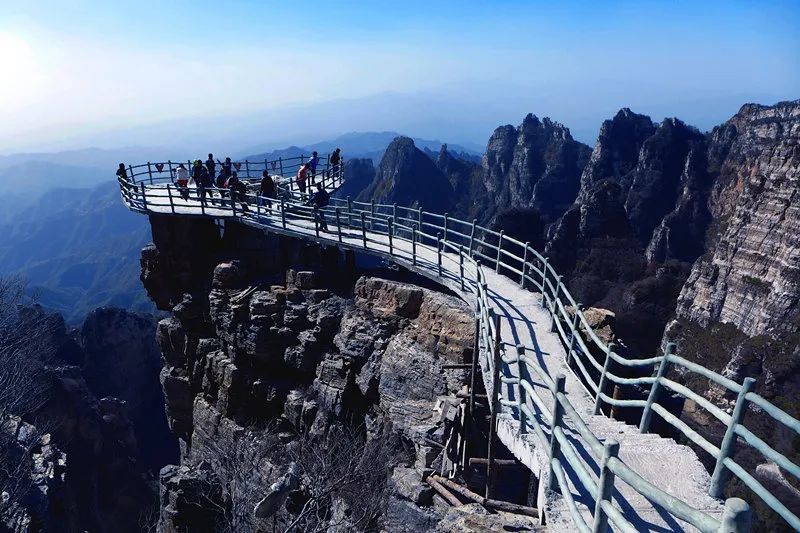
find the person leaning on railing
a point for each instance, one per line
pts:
(121, 173)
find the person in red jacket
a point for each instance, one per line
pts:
(302, 174)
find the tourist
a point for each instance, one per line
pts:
(319, 200)
(238, 190)
(226, 168)
(267, 189)
(182, 180)
(334, 160)
(302, 172)
(198, 171)
(211, 166)
(121, 173)
(313, 162)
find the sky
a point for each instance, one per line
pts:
(99, 73)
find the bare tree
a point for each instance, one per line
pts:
(24, 350)
(343, 478)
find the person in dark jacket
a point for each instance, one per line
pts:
(211, 166)
(267, 189)
(238, 190)
(312, 165)
(226, 168)
(200, 177)
(334, 160)
(319, 200)
(121, 173)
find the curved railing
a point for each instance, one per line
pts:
(458, 252)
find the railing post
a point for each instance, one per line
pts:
(283, 213)
(364, 229)
(144, 196)
(554, 305)
(558, 415)
(446, 218)
(338, 223)
(150, 172)
(394, 215)
(523, 394)
(414, 244)
(461, 266)
(390, 221)
(280, 163)
(495, 406)
(476, 352)
(233, 202)
(524, 265)
(371, 214)
(171, 201)
(598, 401)
(663, 367)
(439, 252)
(247, 168)
(499, 251)
(573, 330)
(606, 487)
(419, 222)
(349, 212)
(472, 235)
(719, 477)
(544, 282)
(258, 207)
(736, 517)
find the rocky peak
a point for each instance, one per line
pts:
(407, 176)
(536, 165)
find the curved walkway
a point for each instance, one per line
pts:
(578, 457)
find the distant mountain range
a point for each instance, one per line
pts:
(65, 230)
(78, 249)
(367, 145)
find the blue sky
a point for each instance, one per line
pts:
(88, 71)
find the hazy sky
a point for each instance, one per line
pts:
(74, 71)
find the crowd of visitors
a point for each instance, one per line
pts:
(221, 178)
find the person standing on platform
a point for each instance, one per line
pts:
(267, 190)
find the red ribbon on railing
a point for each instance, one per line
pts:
(238, 166)
(159, 166)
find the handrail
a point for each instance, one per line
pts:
(462, 249)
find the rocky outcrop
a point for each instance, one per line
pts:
(254, 364)
(536, 165)
(408, 177)
(638, 221)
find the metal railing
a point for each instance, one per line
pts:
(457, 252)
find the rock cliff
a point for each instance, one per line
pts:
(272, 354)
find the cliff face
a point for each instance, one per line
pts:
(750, 276)
(273, 353)
(83, 441)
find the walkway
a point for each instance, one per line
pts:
(395, 235)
